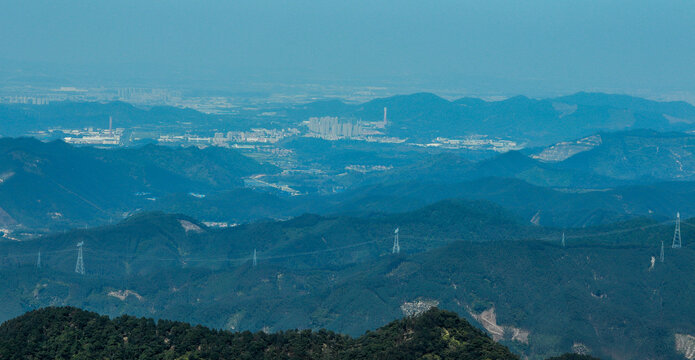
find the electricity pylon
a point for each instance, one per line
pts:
(79, 266)
(396, 246)
(677, 233)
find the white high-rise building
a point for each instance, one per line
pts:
(332, 128)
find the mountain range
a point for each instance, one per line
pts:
(563, 246)
(536, 122)
(420, 117)
(513, 279)
(52, 185)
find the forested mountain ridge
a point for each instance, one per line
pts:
(181, 238)
(72, 333)
(642, 155)
(48, 186)
(602, 160)
(53, 184)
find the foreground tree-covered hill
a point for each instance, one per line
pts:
(61, 333)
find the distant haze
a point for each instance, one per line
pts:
(532, 47)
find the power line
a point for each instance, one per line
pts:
(661, 256)
(307, 253)
(320, 251)
(32, 254)
(613, 232)
(239, 259)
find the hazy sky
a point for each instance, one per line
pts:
(526, 46)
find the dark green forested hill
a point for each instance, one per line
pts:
(49, 185)
(66, 332)
(601, 292)
(144, 237)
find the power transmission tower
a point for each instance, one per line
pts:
(38, 260)
(661, 256)
(396, 245)
(563, 239)
(677, 234)
(255, 261)
(79, 266)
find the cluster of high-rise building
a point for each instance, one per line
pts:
(333, 128)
